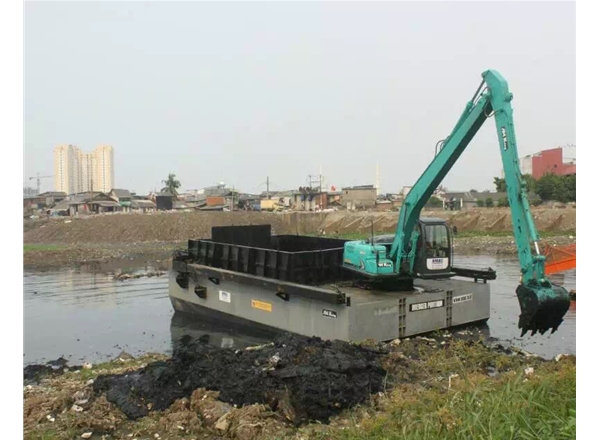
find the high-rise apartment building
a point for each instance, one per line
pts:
(105, 171)
(76, 171)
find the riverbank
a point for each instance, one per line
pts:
(53, 255)
(444, 386)
(181, 226)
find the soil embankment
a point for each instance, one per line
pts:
(52, 242)
(174, 227)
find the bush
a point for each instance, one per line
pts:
(503, 202)
(480, 203)
(489, 202)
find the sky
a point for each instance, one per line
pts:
(236, 92)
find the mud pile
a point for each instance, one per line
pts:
(301, 378)
(35, 372)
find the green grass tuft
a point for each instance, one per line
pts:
(31, 247)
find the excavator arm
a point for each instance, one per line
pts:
(543, 304)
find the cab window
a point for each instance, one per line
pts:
(436, 241)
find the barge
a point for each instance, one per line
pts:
(297, 284)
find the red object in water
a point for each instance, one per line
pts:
(559, 258)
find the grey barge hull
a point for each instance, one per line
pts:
(258, 286)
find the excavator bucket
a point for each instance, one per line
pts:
(543, 307)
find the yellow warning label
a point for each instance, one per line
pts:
(267, 307)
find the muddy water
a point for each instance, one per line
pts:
(505, 308)
(85, 315)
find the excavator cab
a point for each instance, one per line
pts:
(433, 258)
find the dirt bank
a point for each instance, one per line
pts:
(274, 391)
(58, 242)
(177, 227)
(42, 256)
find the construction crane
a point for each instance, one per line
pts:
(422, 248)
(38, 178)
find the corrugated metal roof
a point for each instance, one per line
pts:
(143, 204)
(121, 193)
(105, 203)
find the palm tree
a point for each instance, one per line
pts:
(171, 184)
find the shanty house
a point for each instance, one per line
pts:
(123, 197)
(142, 205)
(359, 197)
(92, 203)
(163, 200)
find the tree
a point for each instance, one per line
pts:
(529, 182)
(527, 178)
(171, 184)
(546, 186)
(480, 203)
(489, 202)
(570, 182)
(500, 184)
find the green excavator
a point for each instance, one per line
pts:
(422, 247)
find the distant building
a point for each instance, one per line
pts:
(76, 171)
(309, 199)
(359, 197)
(458, 200)
(163, 201)
(123, 198)
(546, 161)
(27, 191)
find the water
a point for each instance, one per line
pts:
(505, 308)
(84, 315)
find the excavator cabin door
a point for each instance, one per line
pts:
(434, 249)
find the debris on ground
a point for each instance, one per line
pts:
(310, 379)
(133, 276)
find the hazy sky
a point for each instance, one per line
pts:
(241, 91)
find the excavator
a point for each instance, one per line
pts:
(422, 247)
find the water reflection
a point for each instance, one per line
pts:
(186, 329)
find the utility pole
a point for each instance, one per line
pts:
(377, 179)
(320, 178)
(268, 195)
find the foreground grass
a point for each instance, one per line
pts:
(457, 400)
(509, 409)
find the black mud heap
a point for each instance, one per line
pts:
(312, 377)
